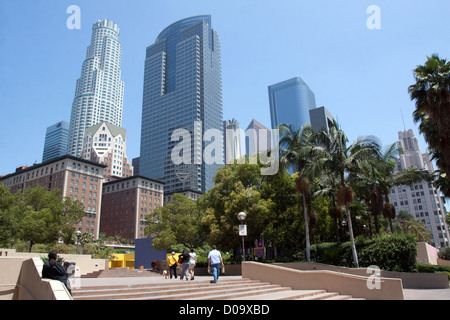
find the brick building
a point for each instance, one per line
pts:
(126, 202)
(77, 179)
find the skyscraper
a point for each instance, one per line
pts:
(182, 105)
(290, 102)
(422, 200)
(106, 143)
(56, 138)
(258, 138)
(232, 141)
(99, 90)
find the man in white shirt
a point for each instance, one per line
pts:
(215, 262)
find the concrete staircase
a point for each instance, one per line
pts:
(120, 273)
(226, 289)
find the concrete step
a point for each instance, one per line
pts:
(226, 289)
(158, 292)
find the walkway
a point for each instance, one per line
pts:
(409, 294)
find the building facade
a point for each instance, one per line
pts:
(99, 90)
(321, 119)
(106, 143)
(258, 138)
(56, 139)
(126, 202)
(422, 200)
(232, 141)
(77, 179)
(290, 102)
(182, 101)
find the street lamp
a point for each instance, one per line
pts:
(78, 234)
(242, 230)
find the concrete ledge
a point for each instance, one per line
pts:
(30, 286)
(410, 280)
(345, 284)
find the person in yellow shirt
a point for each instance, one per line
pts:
(173, 263)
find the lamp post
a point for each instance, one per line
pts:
(78, 234)
(242, 231)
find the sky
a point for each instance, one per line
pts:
(360, 74)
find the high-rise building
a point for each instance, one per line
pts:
(321, 119)
(422, 200)
(99, 90)
(258, 138)
(56, 138)
(232, 141)
(182, 106)
(125, 204)
(290, 102)
(106, 143)
(77, 179)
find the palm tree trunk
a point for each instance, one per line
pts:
(350, 230)
(305, 213)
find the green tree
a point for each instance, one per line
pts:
(431, 94)
(177, 222)
(406, 224)
(344, 160)
(297, 154)
(236, 189)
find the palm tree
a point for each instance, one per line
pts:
(380, 178)
(296, 153)
(432, 95)
(408, 225)
(344, 160)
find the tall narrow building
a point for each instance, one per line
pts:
(290, 102)
(56, 138)
(99, 90)
(182, 106)
(258, 138)
(422, 200)
(232, 141)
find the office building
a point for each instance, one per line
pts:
(232, 141)
(182, 103)
(290, 102)
(77, 179)
(106, 143)
(321, 119)
(422, 200)
(125, 204)
(56, 138)
(258, 138)
(99, 90)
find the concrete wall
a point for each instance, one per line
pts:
(84, 262)
(410, 280)
(426, 254)
(30, 286)
(357, 286)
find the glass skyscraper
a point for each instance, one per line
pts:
(56, 138)
(99, 90)
(290, 102)
(182, 93)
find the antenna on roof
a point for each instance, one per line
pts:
(403, 120)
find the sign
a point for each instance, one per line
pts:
(242, 229)
(259, 248)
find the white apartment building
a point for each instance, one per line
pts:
(422, 200)
(99, 90)
(106, 143)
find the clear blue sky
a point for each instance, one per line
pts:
(360, 75)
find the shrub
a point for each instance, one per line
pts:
(391, 253)
(444, 254)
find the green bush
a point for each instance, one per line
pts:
(426, 268)
(390, 252)
(444, 254)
